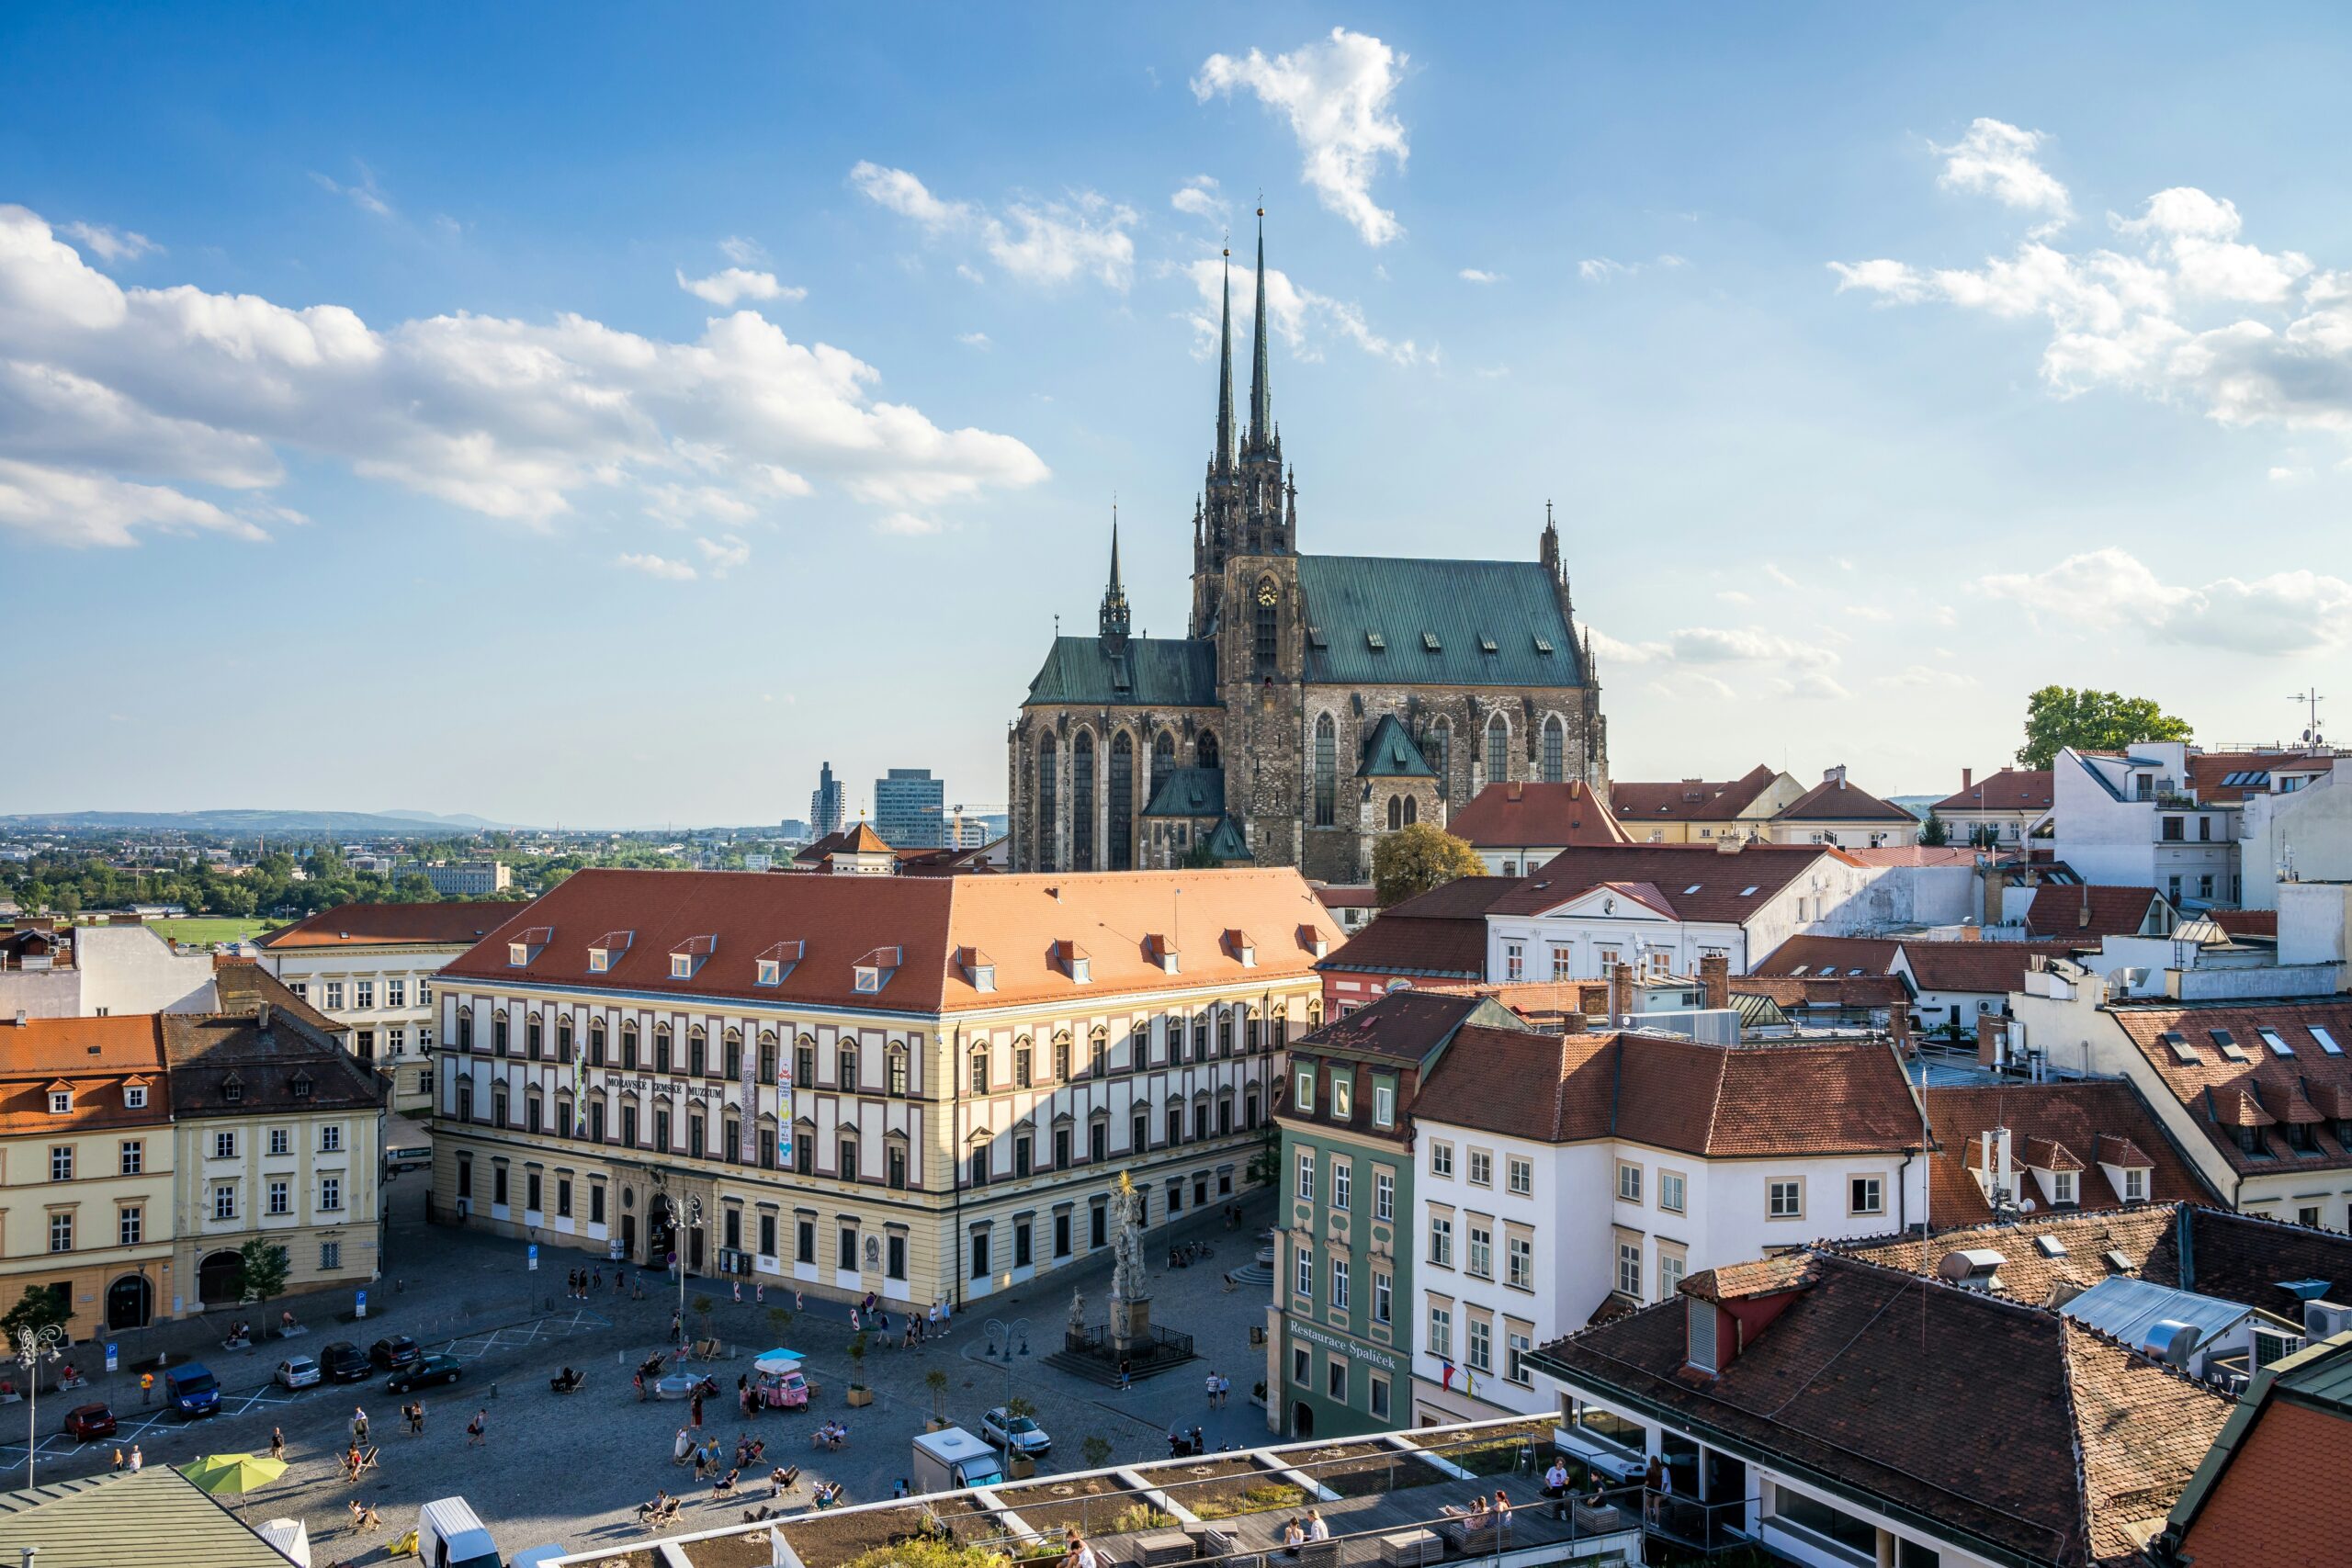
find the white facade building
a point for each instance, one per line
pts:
(116, 971)
(2137, 821)
(2296, 825)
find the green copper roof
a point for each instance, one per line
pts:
(1391, 754)
(1227, 842)
(1152, 673)
(1188, 792)
(1378, 621)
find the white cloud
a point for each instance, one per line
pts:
(1037, 241)
(974, 340)
(2180, 309)
(1199, 198)
(511, 419)
(1302, 318)
(1605, 269)
(907, 524)
(1337, 93)
(2288, 612)
(1476, 275)
(111, 245)
(726, 288)
(1996, 159)
(723, 554)
(1685, 656)
(1777, 575)
(2289, 476)
(742, 252)
(1734, 596)
(1869, 612)
(655, 565)
(1921, 678)
(60, 507)
(364, 195)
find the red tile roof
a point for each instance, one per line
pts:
(1517, 815)
(2011, 789)
(1440, 934)
(1825, 991)
(1815, 955)
(2285, 1500)
(2028, 1273)
(94, 1057)
(361, 925)
(2085, 1116)
(241, 983)
(1992, 968)
(2265, 1090)
(1690, 800)
(2072, 911)
(2208, 769)
(1697, 882)
(1016, 919)
(1717, 1102)
(2019, 1432)
(1835, 800)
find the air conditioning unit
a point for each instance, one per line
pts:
(2324, 1320)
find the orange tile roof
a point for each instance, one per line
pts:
(1993, 967)
(1017, 919)
(2266, 1091)
(1835, 800)
(2092, 1118)
(361, 925)
(1698, 882)
(94, 1057)
(1820, 956)
(2080, 910)
(2285, 1500)
(1534, 814)
(2011, 789)
(1690, 800)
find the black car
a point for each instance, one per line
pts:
(344, 1362)
(394, 1353)
(423, 1370)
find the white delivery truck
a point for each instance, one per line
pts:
(950, 1460)
(448, 1535)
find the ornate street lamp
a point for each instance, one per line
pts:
(35, 1346)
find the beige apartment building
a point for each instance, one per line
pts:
(370, 968)
(86, 1163)
(278, 1133)
(922, 1087)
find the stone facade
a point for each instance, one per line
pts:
(1280, 689)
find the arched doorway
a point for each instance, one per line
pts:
(1302, 1421)
(215, 1280)
(658, 1230)
(131, 1302)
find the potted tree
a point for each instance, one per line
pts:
(859, 1394)
(936, 1379)
(1017, 1464)
(1097, 1449)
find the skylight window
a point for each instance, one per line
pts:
(1799, 970)
(1692, 888)
(1429, 641)
(1853, 971)
(1375, 642)
(2231, 1049)
(2326, 1041)
(1486, 643)
(1748, 891)
(2277, 1042)
(1543, 644)
(2181, 1049)
(2050, 1246)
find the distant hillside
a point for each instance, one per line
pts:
(275, 824)
(1915, 804)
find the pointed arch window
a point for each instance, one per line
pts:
(1163, 758)
(1122, 790)
(1207, 749)
(1048, 819)
(1081, 802)
(1555, 746)
(1413, 811)
(1396, 812)
(1497, 749)
(1437, 750)
(1327, 770)
(1269, 622)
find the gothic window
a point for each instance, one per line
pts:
(1163, 758)
(1413, 811)
(1207, 749)
(1047, 766)
(1327, 770)
(1123, 789)
(1437, 750)
(1081, 802)
(1497, 749)
(1269, 613)
(1554, 750)
(1396, 812)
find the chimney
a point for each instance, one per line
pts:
(1714, 973)
(2004, 1175)
(261, 1018)
(1835, 775)
(1967, 777)
(21, 1017)
(1621, 995)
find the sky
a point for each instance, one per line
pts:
(579, 416)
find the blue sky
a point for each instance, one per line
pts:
(568, 416)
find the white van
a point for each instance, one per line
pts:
(449, 1536)
(953, 1459)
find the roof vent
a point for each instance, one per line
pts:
(1544, 645)
(979, 968)
(1429, 641)
(2049, 1246)
(1375, 642)
(2117, 1259)
(1973, 1268)
(2171, 1341)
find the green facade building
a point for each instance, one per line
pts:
(1340, 1328)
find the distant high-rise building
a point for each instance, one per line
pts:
(825, 805)
(909, 810)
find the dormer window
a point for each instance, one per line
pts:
(771, 973)
(1162, 952)
(1544, 645)
(1375, 642)
(134, 1096)
(61, 1102)
(1486, 643)
(980, 969)
(607, 951)
(518, 954)
(526, 945)
(2061, 1187)
(300, 1085)
(1244, 951)
(682, 966)
(2135, 1183)
(232, 1088)
(687, 958)
(1314, 941)
(1072, 960)
(873, 972)
(778, 961)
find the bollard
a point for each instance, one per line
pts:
(493, 1390)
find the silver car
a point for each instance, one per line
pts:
(297, 1371)
(1014, 1434)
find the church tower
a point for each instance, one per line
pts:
(1114, 623)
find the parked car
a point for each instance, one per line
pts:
(297, 1371)
(395, 1352)
(1014, 1434)
(424, 1372)
(87, 1422)
(342, 1363)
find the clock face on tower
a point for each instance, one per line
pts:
(1267, 593)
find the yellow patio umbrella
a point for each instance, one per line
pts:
(237, 1474)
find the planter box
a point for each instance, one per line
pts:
(936, 1423)
(1021, 1467)
(860, 1396)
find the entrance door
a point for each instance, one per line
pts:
(131, 1302)
(693, 1252)
(215, 1280)
(629, 1235)
(1302, 1421)
(657, 1231)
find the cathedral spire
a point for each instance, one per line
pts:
(1224, 461)
(1262, 419)
(1114, 620)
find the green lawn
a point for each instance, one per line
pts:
(206, 930)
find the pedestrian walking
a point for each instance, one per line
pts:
(138, 1460)
(596, 1277)
(1123, 1376)
(419, 1408)
(1212, 1390)
(358, 1425)
(117, 1459)
(146, 1387)
(476, 1427)
(277, 1443)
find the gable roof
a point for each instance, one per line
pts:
(2088, 910)
(1698, 882)
(1154, 672)
(1440, 934)
(1534, 815)
(1835, 800)
(93, 1057)
(207, 1050)
(1461, 605)
(1389, 753)
(1016, 919)
(1793, 1099)
(2011, 789)
(2022, 1433)
(240, 983)
(2311, 1086)
(1816, 955)
(2274, 1491)
(1188, 792)
(153, 1517)
(1992, 968)
(359, 925)
(1689, 800)
(1407, 1026)
(2089, 1118)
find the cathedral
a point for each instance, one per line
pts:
(1317, 702)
